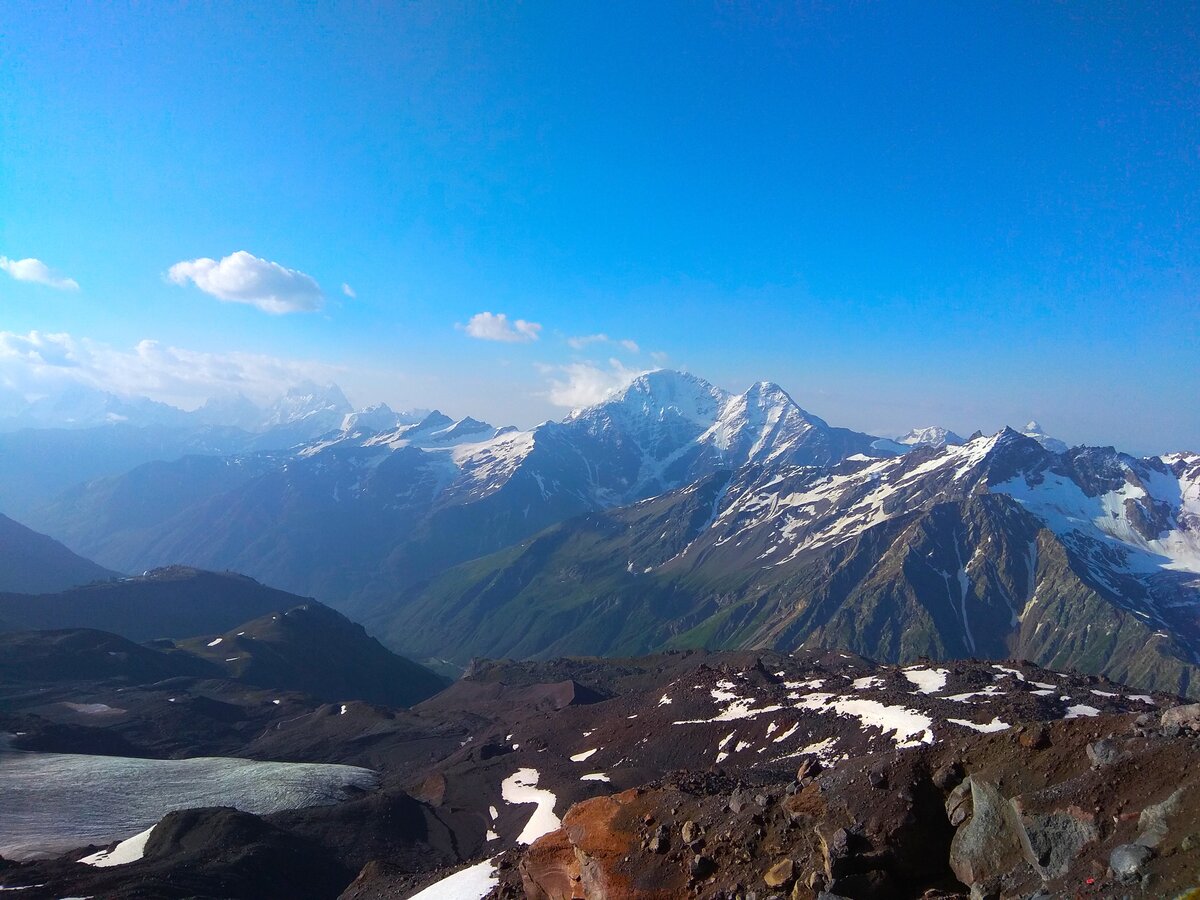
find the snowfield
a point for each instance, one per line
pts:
(54, 802)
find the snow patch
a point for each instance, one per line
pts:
(927, 681)
(986, 727)
(472, 883)
(521, 787)
(129, 850)
(908, 727)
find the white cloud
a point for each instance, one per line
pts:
(38, 272)
(488, 326)
(659, 357)
(38, 363)
(39, 349)
(583, 341)
(584, 383)
(242, 277)
(348, 291)
(578, 343)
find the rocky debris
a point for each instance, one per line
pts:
(1153, 822)
(861, 809)
(1185, 717)
(987, 817)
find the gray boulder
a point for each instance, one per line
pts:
(1128, 861)
(989, 845)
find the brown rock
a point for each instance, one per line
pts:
(1036, 737)
(780, 874)
(949, 776)
(549, 869)
(597, 855)
(432, 790)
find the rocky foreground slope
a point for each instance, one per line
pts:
(684, 774)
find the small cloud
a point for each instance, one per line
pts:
(585, 383)
(244, 278)
(348, 291)
(583, 341)
(38, 272)
(578, 343)
(488, 326)
(658, 356)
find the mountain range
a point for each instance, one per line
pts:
(676, 514)
(54, 442)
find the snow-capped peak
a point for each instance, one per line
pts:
(380, 417)
(305, 401)
(1033, 429)
(660, 395)
(760, 424)
(930, 436)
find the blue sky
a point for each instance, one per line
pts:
(966, 214)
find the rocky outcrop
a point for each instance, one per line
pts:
(996, 816)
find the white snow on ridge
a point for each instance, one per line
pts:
(580, 757)
(834, 507)
(521, 787)
(736, 708)
(985, 727)
(1065, 508)
(129, 850)
(909, 728)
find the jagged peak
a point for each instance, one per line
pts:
(931, 436)
(769, 399)
(435, 419)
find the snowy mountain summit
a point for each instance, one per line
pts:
(930, 436)
(306, 401)
(1034, 430)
